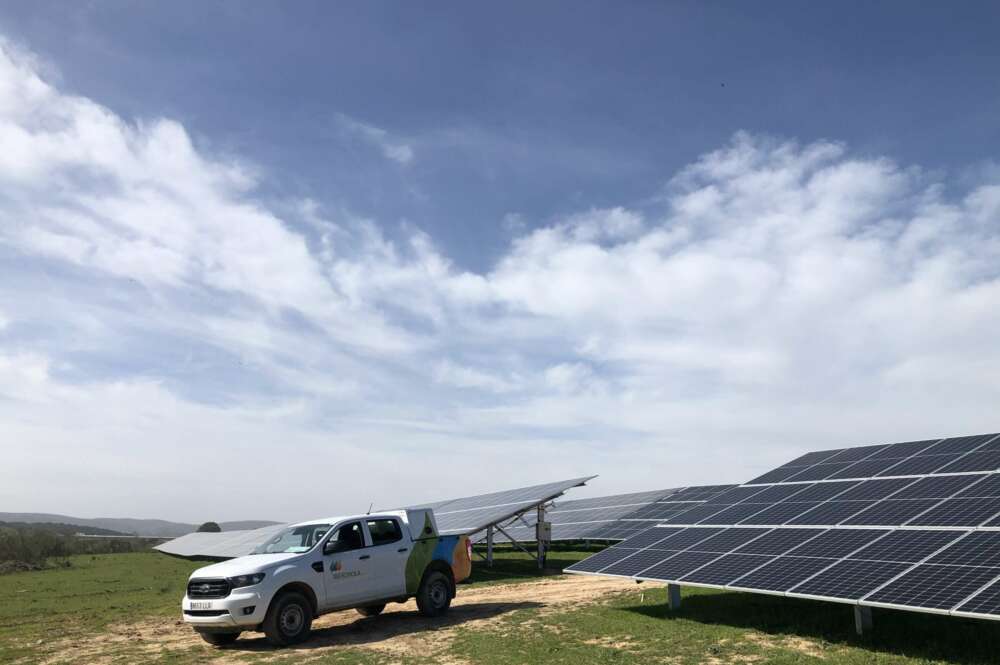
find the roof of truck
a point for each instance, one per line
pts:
(333, 520)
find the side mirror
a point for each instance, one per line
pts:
(329, 547)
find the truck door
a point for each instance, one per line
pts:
(389, 552)
(347, 566)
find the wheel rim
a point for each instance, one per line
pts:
(292, 618)
(439, 594)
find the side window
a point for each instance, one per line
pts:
(384, 531)
(348, 537)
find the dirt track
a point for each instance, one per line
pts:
(399, 630)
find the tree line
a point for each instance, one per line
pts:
(36, 545)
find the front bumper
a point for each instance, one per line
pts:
(240, 609)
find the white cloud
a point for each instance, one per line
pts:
(779, 298)
(391, 148)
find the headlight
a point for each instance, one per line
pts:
(246, 580)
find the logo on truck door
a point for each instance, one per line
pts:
(336, 574)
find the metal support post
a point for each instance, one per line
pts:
(489, 546)
(541, 545)
(674, 596)
(862, 620)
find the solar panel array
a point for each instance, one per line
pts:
(609, 517)
(224, 545)
(464, 515)
(913, 525)
(468, 515)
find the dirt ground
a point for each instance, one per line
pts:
(399, 631)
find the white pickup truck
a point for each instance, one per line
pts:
(311, 568)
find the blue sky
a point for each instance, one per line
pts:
(670, 244)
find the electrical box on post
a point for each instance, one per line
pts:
(543, 532)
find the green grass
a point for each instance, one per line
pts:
(715, 626)
(104, 594)
(94, 591)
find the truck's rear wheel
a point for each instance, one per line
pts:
(288, 620)
(218, 639)
(434, 594)
(371, 610)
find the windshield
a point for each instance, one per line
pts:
(294, 539)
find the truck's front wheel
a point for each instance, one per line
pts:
(288, 620)
(434, 594)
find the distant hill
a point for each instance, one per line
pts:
(63, 529)
(124, 525)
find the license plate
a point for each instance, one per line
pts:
(200, 605)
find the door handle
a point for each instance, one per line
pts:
(318, 566)
(401, 549)
(365, 556)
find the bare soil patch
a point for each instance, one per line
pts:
(398, 631)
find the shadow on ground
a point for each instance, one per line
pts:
(385, 627)
(912, 634)
(515, 570)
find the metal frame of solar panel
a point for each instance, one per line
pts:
(613, 517)
(912, 526)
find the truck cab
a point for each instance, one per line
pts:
(327, 565)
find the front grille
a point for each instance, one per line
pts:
(208, 588)
(205, 613)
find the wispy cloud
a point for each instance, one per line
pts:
(784, 296)
(392, 148)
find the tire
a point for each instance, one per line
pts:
(434, 594)
(288, 619)
(219, 639)
(371, 610)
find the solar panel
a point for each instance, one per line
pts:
(875, 489)
(988, 486)
(733, 514)
(867, 468)
(638, 562)
(467, 515)
(779, 541)
(979, 548)
(819, 471)
(223, 545)
(821, 491)
(782, 573)
(602, 559)
(988, 460)
(905, 449)
(849, 580)
(918, 465)
(914, 525)
(985, 602)
(906, 546)
(831, 512)
(780, 513)
(856, 454)
(891, 511)
(838, 543)
(959, 512)
(960, 444)
(677, 566)
(937, 487)
(936, 587)
(686, 538)
(648, 538)
(725, 569)
(728, 539)
(609, 517)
